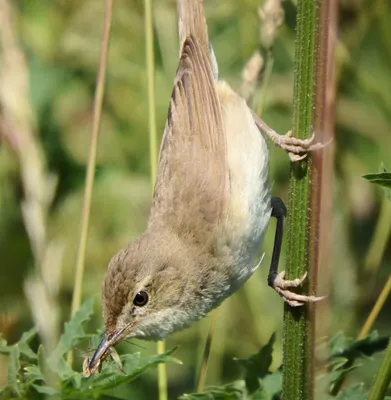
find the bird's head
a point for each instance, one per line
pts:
(144, 293)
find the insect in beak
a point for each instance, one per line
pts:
(91, 365)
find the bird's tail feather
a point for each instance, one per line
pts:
(191, 21)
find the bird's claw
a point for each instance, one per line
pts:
(280, 285)
(295, 146)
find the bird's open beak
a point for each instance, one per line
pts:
(103, 349)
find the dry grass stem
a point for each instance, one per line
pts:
(271, 15)
(18, 128)
(90, 175)
(251, 75)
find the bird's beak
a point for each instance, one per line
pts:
(103, 349)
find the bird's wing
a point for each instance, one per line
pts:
(191, 190)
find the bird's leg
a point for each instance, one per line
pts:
(116, 358)
(277, 280)
(294, 146)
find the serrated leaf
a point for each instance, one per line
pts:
(354, 393)
(271, 388)
(4, 348)
(338, 363)
(42, 363)
(345, 352)
(72, 335)
(111, 376)
(63, 369)
(272, 384)
(257, 366)
(32, 374)
(23, 344)
(45, 390)
(5, 393)
(349, 348)
(13, 371)
(336, 376)
(227, 392)
(260, 394)
(76, 381)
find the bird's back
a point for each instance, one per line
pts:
(212, 185)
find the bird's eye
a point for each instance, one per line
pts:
(141, 299)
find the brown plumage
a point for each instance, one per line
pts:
(210, 208)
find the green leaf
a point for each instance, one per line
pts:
(354, 393)
(72, 335)
(342, 347)
(33, 374)
(272, 384)
(335, 377)
(24, 346)
(111, 376)
(45, 390)
(344, 353)
(227, 392)
(42, 362)
(257, 366)
(14, 378)
(4, 348)
(382, 179)
(270, 389)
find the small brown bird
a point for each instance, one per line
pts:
(211, 206)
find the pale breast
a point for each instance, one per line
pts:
(249, 205)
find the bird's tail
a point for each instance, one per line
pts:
(191, 21)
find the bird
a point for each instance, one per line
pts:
(211, 206)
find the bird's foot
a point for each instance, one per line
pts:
(296, 148)
(281, 285)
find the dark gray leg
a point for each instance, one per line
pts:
(277, 280)
(279, 212)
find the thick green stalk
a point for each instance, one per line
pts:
(309, 197)
(298, 377)
(383, 377)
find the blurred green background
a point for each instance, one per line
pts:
(60, 41)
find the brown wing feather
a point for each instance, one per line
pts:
(192, 180)
(191, 22)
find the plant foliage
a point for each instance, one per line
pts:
(33, 374)
(382, 179)
(260, 383)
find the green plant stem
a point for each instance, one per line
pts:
(297, 376)
(150, 61)
(380, 238)
(372, 263)
(89, 183)
(206, 354)
(309, 205)
(376, 309)
(383, 377)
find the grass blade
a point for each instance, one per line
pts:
(89, 183)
